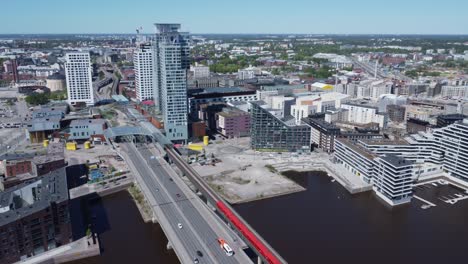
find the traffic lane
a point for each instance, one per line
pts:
(210, 238)
(191, 242)
(198, 222)
(167, 214)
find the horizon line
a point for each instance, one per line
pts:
(198, 33)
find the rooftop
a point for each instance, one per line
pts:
(396, 161)
(33, 196)
(81, 122)
(358, 148)
(383, 142)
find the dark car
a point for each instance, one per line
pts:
(199, 253)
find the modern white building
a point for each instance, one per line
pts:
(307, 105)
(143, 60)
(393, 179)
(78, 74)
(172, 62)
(200, 71)
(248, 73)
(455, 91)
(392, 176)
(452, 141)
(364, 114)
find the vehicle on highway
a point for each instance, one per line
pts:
(195, 260)
(199, 253)
(178, 195)
(227, 249)
(171, 179)
(179, 225)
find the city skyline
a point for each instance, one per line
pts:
(299, 17)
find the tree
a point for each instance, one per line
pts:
(37, 99)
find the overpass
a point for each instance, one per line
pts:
(155, 172)
(189, 225)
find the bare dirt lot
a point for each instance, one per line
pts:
(242, 174)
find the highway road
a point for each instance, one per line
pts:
(179, 206)
(370, 69)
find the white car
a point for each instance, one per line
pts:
(179, 225)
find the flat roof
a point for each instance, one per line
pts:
(33, 196)
(383, 142)
(78, 122)
(357, 148)
(396, 161)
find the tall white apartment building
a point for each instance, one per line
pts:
(365, 114)
(172, 62)
(454, 91)
(78, 74)
(143, 60)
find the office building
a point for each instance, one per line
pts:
(272, 133)
(84, 129)
(143, 60)
(34, 217)
(78, 74)
(172, 62)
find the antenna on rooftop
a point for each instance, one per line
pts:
(138, 32)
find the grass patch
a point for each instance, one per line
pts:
(240, 181)
(271, 168)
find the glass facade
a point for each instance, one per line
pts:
(271, 133)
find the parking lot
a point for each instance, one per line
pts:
(439, 193)
(13, 117)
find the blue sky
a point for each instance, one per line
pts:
(238, 16)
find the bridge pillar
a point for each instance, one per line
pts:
(154, 219)
(259, 260)
(169, 246)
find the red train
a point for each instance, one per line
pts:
(259, 246)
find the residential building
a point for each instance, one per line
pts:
(79, 78)
(232, 122)
(364, 114)
(200, 71)
(144, 64)
(445, 120)
(414, 125)
(392, 177)
(323, 134)
(454, 91)
(198, 97)
(172, 62)
(396, 113)
(34, 217)
(273, 133)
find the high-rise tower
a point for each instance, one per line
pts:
(79, 78)
(171, 57)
